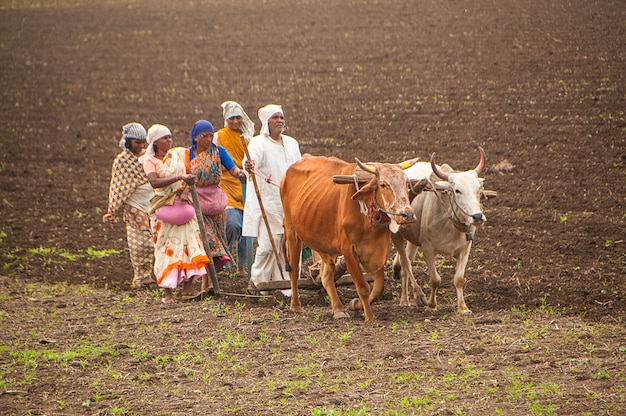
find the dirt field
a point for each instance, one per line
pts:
(539, 85)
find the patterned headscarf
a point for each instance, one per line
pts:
(232, 109)
(127, 175)
(155, 132)
(264, 115)
(132, 131)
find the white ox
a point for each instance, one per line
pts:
(446, 221)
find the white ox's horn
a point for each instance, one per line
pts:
(478, 169)
(365, 167)
(436, 169)
(481, 163)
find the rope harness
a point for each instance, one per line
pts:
(379, 217)
(460, 225)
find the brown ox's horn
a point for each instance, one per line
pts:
(408, 163)
(365, 167)
(481, 163)
(436, 169)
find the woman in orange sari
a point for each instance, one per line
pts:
(179, 255)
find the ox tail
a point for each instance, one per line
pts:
(397, 268)
(283, 247)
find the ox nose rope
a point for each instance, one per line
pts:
(384, 211)
(467, 214)
(389, 213)
(462, 226)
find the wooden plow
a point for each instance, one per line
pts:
(314, 279)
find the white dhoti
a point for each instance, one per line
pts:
(266, 268)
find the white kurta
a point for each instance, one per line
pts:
(271, 159)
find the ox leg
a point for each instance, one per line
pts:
(327, 271)
(294, 250)
(402, 266)
(435, 279)
(418, 293)
(459, 280)
(396, 269)
(361, 285)
(378, 287)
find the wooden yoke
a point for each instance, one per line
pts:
(362, 176)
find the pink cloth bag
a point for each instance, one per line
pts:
(212, 199)
(179, 213)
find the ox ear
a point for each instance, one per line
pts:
(442, 185)
(366, 192)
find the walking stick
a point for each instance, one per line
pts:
(194, 195)
(258, 196)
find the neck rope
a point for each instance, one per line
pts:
(460, 225)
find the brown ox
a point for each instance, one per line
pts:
(327, 217)
(445, 225)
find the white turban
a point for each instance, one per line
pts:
(155, 132)
(233, 109)
(265, 113)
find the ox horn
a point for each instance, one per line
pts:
(436, 169)
(481, 163)
(408, 163)
(365, 167)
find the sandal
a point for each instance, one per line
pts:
(199, 295)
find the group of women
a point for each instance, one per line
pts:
(157, 205)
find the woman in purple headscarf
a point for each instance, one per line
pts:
(206, 161)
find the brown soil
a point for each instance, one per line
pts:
(539, 85)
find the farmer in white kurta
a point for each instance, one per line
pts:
(271, 153)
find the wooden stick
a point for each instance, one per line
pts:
(258, 195)
(205, 242)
